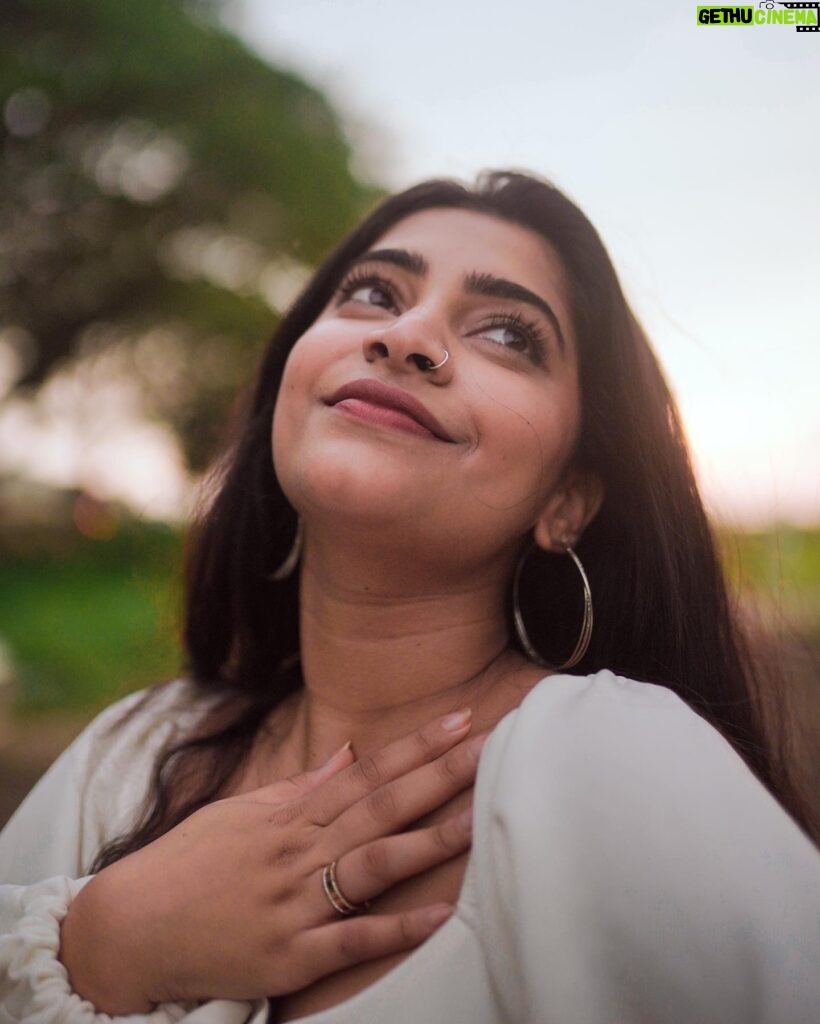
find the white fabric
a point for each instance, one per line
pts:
(626, 868)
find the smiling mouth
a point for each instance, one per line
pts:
(384, 405)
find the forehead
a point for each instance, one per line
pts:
(463, 241)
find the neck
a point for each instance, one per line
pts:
(386, 648)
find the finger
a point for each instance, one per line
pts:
(326, 803)
(403, 801)
(285, 790)
(332, 947)
(369, 870)
(305, 782)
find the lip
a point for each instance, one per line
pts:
(388, 396)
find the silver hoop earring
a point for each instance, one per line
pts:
(586, 625)
(436, 366)
(293, 556)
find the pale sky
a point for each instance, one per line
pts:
(694, 150)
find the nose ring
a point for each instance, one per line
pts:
(436, 366)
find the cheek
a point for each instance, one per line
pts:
(526, 439)
(292, 406)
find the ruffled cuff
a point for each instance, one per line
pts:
(34, 986)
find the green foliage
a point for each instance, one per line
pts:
(94, 622)
(785, 556)
(779, 572)
(134, 132)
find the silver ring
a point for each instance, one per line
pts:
(340, 903)
(437, 366)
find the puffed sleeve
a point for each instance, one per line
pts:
(88, 796)
(636, 871)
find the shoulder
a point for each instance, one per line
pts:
(619, 837)
(601, 720)
(134, 730)
(97, 786)
(602, 693)
(119, 749)
(630, 774)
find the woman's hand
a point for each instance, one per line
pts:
(230, 904)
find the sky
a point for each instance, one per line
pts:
(693, 149)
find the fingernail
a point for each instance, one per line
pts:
(339, 752)
(458, 720)
(434, 916)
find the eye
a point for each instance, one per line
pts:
(368, 289)
(372, 295)
(515, 334)
(507, 336)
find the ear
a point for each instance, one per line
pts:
(569, 510)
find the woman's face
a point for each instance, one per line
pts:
(475, 470)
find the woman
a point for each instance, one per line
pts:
(459, 438)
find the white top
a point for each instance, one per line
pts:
(626, 868)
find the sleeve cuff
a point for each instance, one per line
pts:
(34, 985)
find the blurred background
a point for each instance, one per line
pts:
(172, 171)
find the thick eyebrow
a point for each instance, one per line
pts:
(410, 261)
(500, 288)
(474, 283)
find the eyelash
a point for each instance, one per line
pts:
(359, 279)
(530, 331)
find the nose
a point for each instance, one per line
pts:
(410, 345)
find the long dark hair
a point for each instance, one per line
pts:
(662, 612)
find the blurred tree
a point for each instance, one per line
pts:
(162, 191)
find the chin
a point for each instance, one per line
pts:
(354, 486)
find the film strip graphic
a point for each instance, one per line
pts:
(802, 7)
